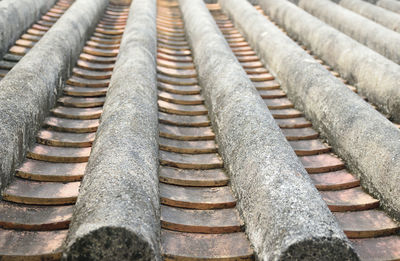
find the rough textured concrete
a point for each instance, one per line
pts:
(368, 142)
(365, 31)
(376, 77)
(375, 13)
(272, 187)
(16, 17)
(117, 214)
(30, 89)
(391, 5)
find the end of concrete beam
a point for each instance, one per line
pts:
(320, 249)
(96, 245)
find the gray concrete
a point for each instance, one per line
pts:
(375, 13)
(30, 89)
(117, 214)
(273, 189)
(365, 31)
(376, 77)
(16, 17)
(391, 5)
(253, 2)
(368, 142)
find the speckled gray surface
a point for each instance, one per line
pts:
(30, 89)
(375, 13)
(376, 77)
(368, 142)
(16, 17)
(391, 5)
(365, 31)
(273, 189)
(117, 214)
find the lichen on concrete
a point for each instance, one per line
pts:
(367, 141)
(375, 76)
(391, 5)
(30, 89)
(375, 13)
(16, 17)
(272, 187)
(365, 31)
(117, 215)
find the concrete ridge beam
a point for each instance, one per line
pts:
(117, 215)
(391, 5)
(375, 76)
(365, 31)
(16, 17)
(271, 185)
(375, 13)
(356, 131)
(30, 89)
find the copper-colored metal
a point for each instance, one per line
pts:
(298, 122)
(195, 178)
(335, 180)
(180, 109)
(191, 161)
(41, 193)
(183, 120)
(309, 147)
(322, 163)
(194, 99)
(49, 171)
(186, 133)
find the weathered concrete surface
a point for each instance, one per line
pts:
(30, 89)
(375, 13)
(365, 31)
(368, 142)
(117, 214)
(391, 5)
(376, 77)
(16, 17)
(272, 187)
